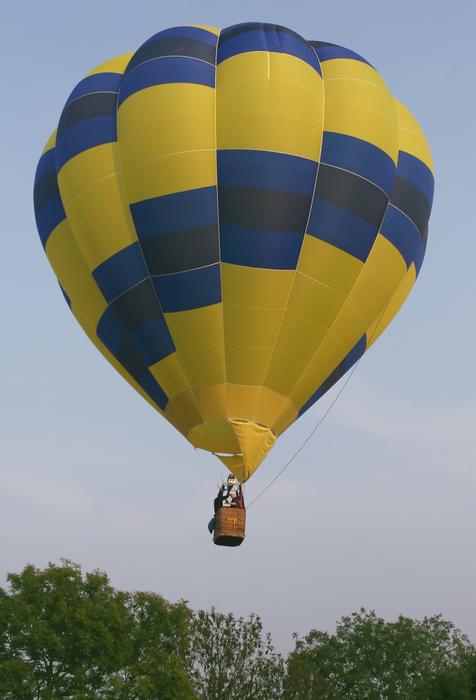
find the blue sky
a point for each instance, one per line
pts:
(379, 508)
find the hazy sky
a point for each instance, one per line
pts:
(379, 508)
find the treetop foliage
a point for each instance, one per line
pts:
(65, 634)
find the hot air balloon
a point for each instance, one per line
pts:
(234, 217)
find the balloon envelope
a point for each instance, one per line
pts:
(234, 217)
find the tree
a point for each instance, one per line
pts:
(453, 683)
(231, 658)
(65, 635)
(377, 660)
(158, 647)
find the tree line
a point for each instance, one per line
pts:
(65, 634)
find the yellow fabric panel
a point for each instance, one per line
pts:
(365, 302)
(269, 101)
(73, 275)
(198, 337)
(298, 336)
(370, 294)
(358, 103)
(313, 307)
(183, 412)
(272, 409)
(234, 463)
(169, 174)
(114, 65)
(212, 401)
(350, 69)
(241, 400)
(380, 277)
(204, 365)
(315, 301)
(311, 310)
(248, 325)
(259, 404)
(230, 461)
(212, 30)
(284, 371)
(387, 262)
(394, 305)
(331, 351)
(411, 137)
(251, 286)
(170, 375)
(246, 365)
(166, 136)
(50, 143)
(349, 326)
(111, 359)
(88, 168)
(173, 117)
(196, 327)
(94, 200)
(348, 315)
(255, 442)
(216, 436)
(328, 264)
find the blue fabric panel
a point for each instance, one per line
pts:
(327, 52)
(167, 69)
(46, 164)
(171, 213)
(110, 332)
(342, 229)
(192, 289)
(418, 256)
(350, 360)
(84, 135)
(48, 217)
(153, 341)
(359, 157)
(152, 388)
(266, 170)
(417, 173)
(239, 39)
(402, 233)
(45, 188)
(276, 250)
(66, 297)
(293, 45)
(121, 271)
(163, 45)
(188, 32)
(99, 82)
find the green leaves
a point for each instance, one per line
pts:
(231, 658)
(373, 659)
(65, 634)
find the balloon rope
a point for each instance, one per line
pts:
(321, 420)
(289, 462)
(205, 465)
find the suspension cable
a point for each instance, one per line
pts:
(321, 419)
(303, 444)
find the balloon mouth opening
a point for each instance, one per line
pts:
(255, 441)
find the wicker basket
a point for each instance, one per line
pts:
(229, 526)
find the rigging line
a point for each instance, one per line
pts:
(321, 419)
(289, 462)
(205, 464)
